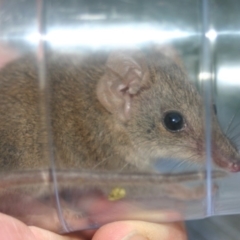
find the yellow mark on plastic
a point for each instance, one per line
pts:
(116, 194)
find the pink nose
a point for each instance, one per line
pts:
(234, 166)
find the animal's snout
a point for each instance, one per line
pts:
(234, 166)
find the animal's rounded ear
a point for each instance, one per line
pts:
(7, 54)
(125, 73)
(170, 52)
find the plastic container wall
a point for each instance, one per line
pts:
(225, 62)
(105, 124)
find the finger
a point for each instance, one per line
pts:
(139, 230)
(12, 229)
(41, 234)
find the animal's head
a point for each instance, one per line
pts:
(148, 91)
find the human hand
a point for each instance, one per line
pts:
(13, 229)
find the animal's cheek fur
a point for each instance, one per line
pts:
(181, 146)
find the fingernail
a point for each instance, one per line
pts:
(134, 236)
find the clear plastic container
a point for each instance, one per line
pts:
(104, 123)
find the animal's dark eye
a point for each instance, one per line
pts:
(173, 121)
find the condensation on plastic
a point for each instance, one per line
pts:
(65, 200)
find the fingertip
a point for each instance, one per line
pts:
(138, 230)
(13, 229)
(113, 231)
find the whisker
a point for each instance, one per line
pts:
(99, 163)
(231, 121)
(178, 165)
(235, 138)
(233, 129)
(124, 166)
(184, 161)
(163, 144)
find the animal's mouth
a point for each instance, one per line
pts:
(230, 164)
(233, 166)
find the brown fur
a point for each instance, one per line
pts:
(88, 136)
